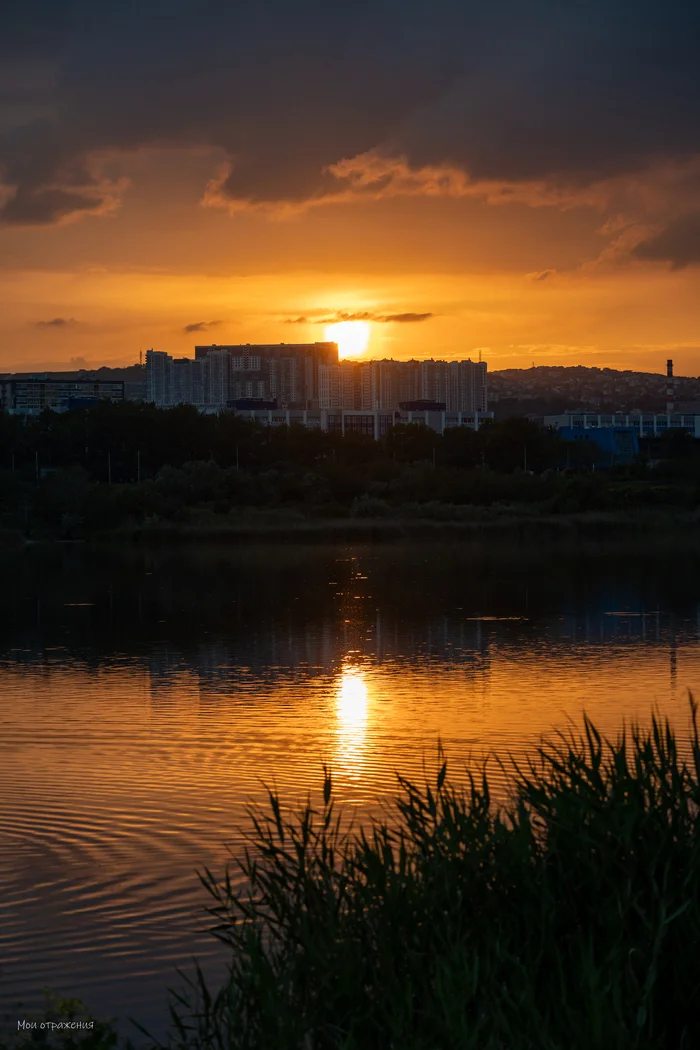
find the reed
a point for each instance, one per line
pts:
(570, 918)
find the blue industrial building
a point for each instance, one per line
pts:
(619, 445)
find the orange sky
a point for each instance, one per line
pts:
(136, 278)
(529, 179)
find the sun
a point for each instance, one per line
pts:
(352, 337)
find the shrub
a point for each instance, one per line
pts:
(369, 507)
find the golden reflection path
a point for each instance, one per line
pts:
(352, 713)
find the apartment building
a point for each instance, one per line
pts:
(305, 376)
(218, 375)
(460, 385)
(285, 372)
(30, 395)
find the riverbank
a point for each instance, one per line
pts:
(473, 523)
(480, 523)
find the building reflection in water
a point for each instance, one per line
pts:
(351, 712)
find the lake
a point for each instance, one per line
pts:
(147, 696)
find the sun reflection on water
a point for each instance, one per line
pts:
(351, 710)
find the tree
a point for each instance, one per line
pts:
(410, 442)
(519, 444)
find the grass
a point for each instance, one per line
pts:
(568, 919)
(432, 521)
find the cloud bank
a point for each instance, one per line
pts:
(200, 326)
(677, 244)
(550, 104)
(360, 315)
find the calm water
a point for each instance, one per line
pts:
(145, 696)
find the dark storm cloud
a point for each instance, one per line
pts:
(570, 93)
(58, 322)
(41, 207)
(200, 326)
(678, 244)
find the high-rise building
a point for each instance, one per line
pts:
(218, 377)
(336, 385)
(159, 377)
(309, 376)
(285, 372)
(181, 382)
(460, 385)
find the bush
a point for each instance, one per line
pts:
(569, 918)
(369, 507)
(582, 492)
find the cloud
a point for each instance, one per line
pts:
(45, 206)
(360, 315)
(373, 176)
(200, 326)
(58, 322)
(678, 243)
(549, 105)
(407, 318)
(542, 275)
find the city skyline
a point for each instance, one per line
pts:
(524, 183)
(309, 376)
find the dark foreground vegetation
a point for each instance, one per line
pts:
(132, 468)
(568, 920)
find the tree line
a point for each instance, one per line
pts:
(141, 438)
(98, 468)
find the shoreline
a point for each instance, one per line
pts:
(288, 528)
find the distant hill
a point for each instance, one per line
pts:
(556, 388)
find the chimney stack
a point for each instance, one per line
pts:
(669, 386)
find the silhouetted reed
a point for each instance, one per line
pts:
(569, 918)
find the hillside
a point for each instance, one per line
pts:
(555, 388)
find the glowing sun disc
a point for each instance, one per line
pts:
(352, 337)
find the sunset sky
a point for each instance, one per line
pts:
(520, 180)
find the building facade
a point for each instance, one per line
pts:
(460, 385)
(285, 372)
(371, 422)
(646, 424)
(217, 375)
(617, 444)
(28, 396)
(308, 376)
